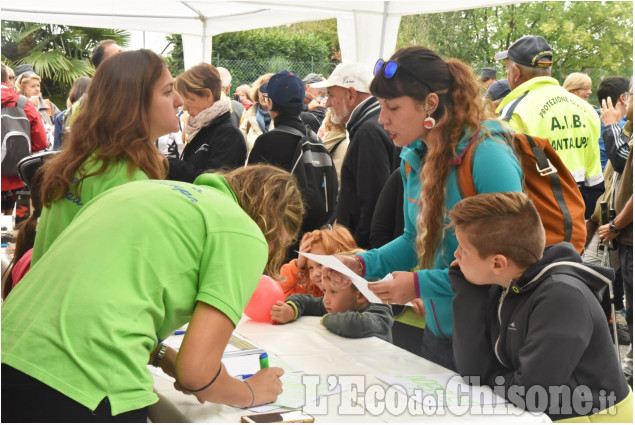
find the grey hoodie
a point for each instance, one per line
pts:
(373, 320)
(546, 330)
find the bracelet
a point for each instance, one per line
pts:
(361, 265)
(253, 395)
(206, 386)
(159, 356)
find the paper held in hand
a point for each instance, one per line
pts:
(333, 263)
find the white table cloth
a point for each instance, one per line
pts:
(307, 345)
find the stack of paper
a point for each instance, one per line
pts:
(239, 346)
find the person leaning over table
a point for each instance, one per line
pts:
(434, 110)
(109, 145)
(80, 328)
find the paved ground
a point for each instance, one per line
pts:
(621, 323)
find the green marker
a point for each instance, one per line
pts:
(264, 360)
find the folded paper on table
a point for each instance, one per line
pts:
(333, 263)
(442, 389)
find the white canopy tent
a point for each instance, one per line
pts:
(366, 29)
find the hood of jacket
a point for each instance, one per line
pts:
(9, 96)
(562, 258)
(368, 107)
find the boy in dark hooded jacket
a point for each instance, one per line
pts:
(529, 323)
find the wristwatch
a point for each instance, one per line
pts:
(612, 227)
(159, 356)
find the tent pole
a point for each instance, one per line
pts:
(203, 40)
(383, 30)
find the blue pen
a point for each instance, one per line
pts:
(249, 375)
(264, 360)
(178, 332)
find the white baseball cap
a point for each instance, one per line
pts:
(348, 75)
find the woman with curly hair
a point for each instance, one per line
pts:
(433, 109)
(81, 327)
(130, 103)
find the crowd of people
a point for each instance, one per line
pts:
(144, 216)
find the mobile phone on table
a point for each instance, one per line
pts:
(284, 417)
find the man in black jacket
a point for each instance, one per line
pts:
(285, 96)
(371, 155)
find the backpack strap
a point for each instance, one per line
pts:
(337, 145)
(545, 168)
(289, 130)
(464, 169)
(21, 103)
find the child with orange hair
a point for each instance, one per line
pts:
(304, 276)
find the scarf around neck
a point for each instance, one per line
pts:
(195, 124)
(263, 118)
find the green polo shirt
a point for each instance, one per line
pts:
(130, 268)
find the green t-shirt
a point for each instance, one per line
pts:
(56, 218)
(129, 269)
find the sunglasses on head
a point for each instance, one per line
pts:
(390, 69)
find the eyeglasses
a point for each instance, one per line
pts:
(265, 96)
(626, 95)
(390, 69)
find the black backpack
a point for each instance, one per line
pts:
(315, 171)
(16, 136)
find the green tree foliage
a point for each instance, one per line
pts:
(58, 53)
(261, 44)
(174, 58)
(302, 48)
(589, 36)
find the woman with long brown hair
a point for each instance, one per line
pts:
(433, 109)
(130, 103)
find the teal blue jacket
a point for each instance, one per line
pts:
(495, 169)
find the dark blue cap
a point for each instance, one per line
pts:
(285, 89)
(498, 90)
(529, 50)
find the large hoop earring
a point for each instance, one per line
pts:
(429, 123)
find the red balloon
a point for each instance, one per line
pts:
(263, 299)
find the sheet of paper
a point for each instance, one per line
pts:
(443, 389)
(238, 345)
(241, 365)
(295, 394)
(332, 262)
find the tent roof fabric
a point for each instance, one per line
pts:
(367, 29)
